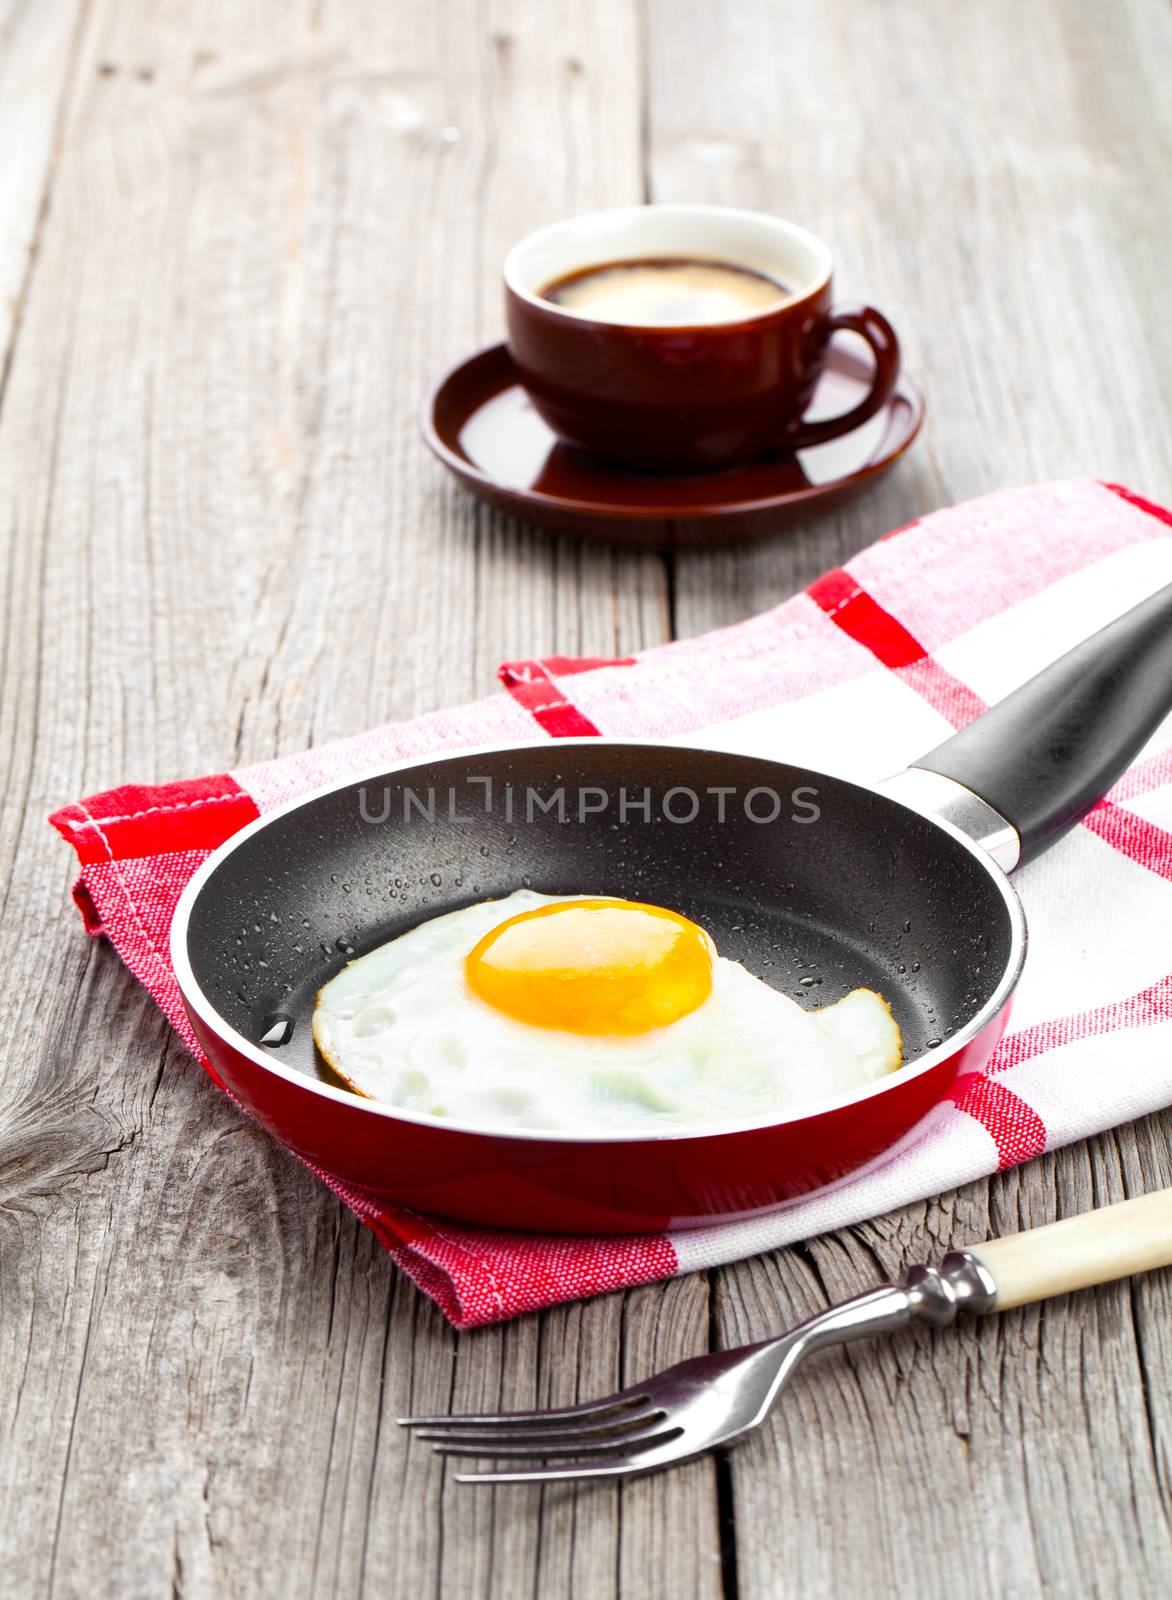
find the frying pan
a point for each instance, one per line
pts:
(815, 884)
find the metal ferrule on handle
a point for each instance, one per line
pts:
(934, 795)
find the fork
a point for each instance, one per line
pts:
(715, 1400)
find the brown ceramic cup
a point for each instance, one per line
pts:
(685, 399)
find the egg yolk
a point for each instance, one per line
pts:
(594, 966)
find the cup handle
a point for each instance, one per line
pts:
(880, 335)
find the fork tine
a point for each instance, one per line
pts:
(569, 1471)
(516, 1419)
(472, 1446)
(566, 1474)
(626, 1425)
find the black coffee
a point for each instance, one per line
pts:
(674, 291)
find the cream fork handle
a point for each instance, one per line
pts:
(1113, 1242)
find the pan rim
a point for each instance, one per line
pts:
(196, 1000)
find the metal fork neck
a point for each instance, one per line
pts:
(934, 1295)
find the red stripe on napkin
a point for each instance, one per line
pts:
(532, 684)
(853, 610)
(1133, 836)
(1161, 513)
(1015, 1127)
(848, 605)
(1154, 772)
(944, 693)
(142, 820)
(565, 666)
(1147, 1008)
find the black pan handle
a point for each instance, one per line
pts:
(1045, 754)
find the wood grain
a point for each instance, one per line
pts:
(995, 180)
(266, 229)
(36, 43)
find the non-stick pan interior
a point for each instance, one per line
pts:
(862, 893)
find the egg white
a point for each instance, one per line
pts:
(402, 1026)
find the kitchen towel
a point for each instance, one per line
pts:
(873, 665)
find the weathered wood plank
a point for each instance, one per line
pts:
(984, 177)
(272, 228)
(35, 50)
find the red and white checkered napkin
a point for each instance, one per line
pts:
(872, 666)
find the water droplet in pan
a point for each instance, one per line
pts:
(278, 1031)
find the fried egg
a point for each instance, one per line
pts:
(589, 1015)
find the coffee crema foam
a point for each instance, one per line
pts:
(665, 292)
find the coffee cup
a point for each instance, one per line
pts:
(682, 339)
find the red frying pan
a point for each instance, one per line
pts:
(903, 889)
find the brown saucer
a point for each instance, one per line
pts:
(480, 424)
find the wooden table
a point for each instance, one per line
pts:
(237, 242)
